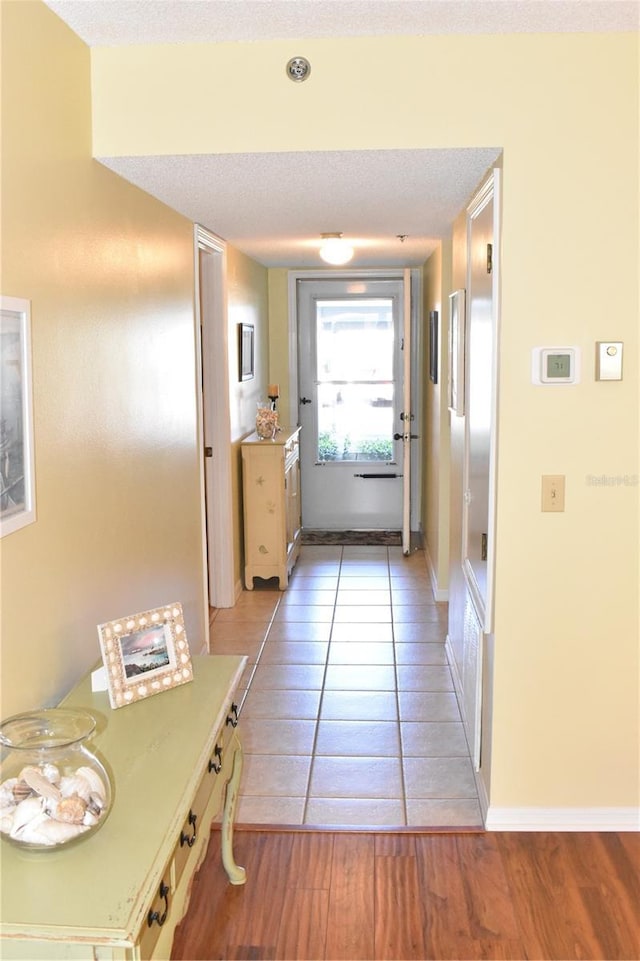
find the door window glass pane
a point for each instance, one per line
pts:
(355, 362)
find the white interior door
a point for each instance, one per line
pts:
(350, 360)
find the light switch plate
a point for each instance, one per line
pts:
(609, 360)
(553, 493)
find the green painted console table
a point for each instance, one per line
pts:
(120, 893)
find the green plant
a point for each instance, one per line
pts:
(378, 449)
(327, 447)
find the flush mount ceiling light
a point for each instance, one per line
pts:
(334, 250)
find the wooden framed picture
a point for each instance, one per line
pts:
(246, 350)
(145, 654)
(17, 476)
(457, 311)
(433, 346)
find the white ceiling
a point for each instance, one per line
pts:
(274, 207)
(116, 22)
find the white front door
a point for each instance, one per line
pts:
(350, 361)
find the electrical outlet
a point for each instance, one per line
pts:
(553, 492)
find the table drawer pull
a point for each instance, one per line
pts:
(232, 717)
(215, 766)
(155, 915)
(184, 838)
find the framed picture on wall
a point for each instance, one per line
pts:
(457, 311)
(17, 477)
(433, 346)
(246, 348)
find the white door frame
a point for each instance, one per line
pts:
(372, 273)
(489, 191)
(214, 419)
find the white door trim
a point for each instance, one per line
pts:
(214, 418)
(367, 273)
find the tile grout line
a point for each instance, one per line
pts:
(322, 690)
(397, 693)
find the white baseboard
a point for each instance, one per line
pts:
(439, 594)
(562, 819)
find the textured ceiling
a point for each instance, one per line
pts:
(115, 22)
(274, 207)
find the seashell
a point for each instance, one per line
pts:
(36, 780)
(46, 831)
(21, 790)
(95, 782)
(58, 832)
(91, 818)
(95, 805)
(7, 798)
(6, 821)
(70, 810)
(29, 831)
(51, 772)
(24, 812)
(75, 784)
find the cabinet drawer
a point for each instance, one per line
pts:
(194, 825)
(158, 915)
(216, 773)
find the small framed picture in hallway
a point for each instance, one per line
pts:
(246, 350)
(456, 351)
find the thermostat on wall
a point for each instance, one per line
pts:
(555, 365)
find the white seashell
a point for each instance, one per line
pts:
(90, 819)
(39, 783)
(51, 832)
(51, 773)
(30, 832)
(7, 809)
(6, 792)
(95, 781)
(76, 784)
(26, 811)
(6, 821)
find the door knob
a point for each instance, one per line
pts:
(305, 400)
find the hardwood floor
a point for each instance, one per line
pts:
(332, 896)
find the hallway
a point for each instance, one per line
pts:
(348, 714)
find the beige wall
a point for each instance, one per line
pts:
(109, 274)
(247, 293)
(565, 110)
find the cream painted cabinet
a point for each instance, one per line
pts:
(271, 490)
(175, 761)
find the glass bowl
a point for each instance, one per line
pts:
(54, 791)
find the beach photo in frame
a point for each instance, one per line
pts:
(145, 654)
(457, 313)
(17, 476)
(246, 351)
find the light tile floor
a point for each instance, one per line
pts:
(348, 714)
